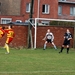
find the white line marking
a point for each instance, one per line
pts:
(65, 71)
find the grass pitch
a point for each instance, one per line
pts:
(37, 62)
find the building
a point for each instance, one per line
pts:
(10, 7)
(66, 9)
(18, 10)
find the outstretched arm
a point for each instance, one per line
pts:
(70, 37)
(52, 37)
(44, 38)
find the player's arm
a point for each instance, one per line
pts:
(13, 34)
(70, 37)
(65, 36)
(44, 37)
(1, 33)
(6, 30)
(52, 37)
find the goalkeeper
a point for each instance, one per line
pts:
(49, 37)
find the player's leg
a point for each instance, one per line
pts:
(64, 44)
(4, 46)
(45, 45)
(61, 49)
(7, 48)
(67, 49)
(54, 45)
(7, 44)
(68, 45)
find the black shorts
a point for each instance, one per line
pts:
(66, 42)
(49, 40)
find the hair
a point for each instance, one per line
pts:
(3, 27)
(10, 26)
(48, 30)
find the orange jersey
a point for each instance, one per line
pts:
(10, 33)
(2, 32)
(8, 40)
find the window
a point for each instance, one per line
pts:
(45, 9)
(28, 7)
(5, 20)
(59, 10)
(72, 11)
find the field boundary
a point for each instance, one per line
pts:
(65, 71)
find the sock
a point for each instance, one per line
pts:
(55, 47)
(44, 46)
(7, 48)
(67, 50)
(61, 49)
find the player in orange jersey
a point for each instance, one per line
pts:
(2, 32)
(10, 36)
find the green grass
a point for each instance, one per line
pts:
(37, 62)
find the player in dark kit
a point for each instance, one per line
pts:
(49, 37)
(67, 38)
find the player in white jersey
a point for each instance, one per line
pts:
(49, 37)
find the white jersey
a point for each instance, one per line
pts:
(50, 36)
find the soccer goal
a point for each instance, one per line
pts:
(45, 21)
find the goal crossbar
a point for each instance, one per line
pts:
(55, 19)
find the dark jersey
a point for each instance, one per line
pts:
(68, 35)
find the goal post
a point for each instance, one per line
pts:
(47, 19)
